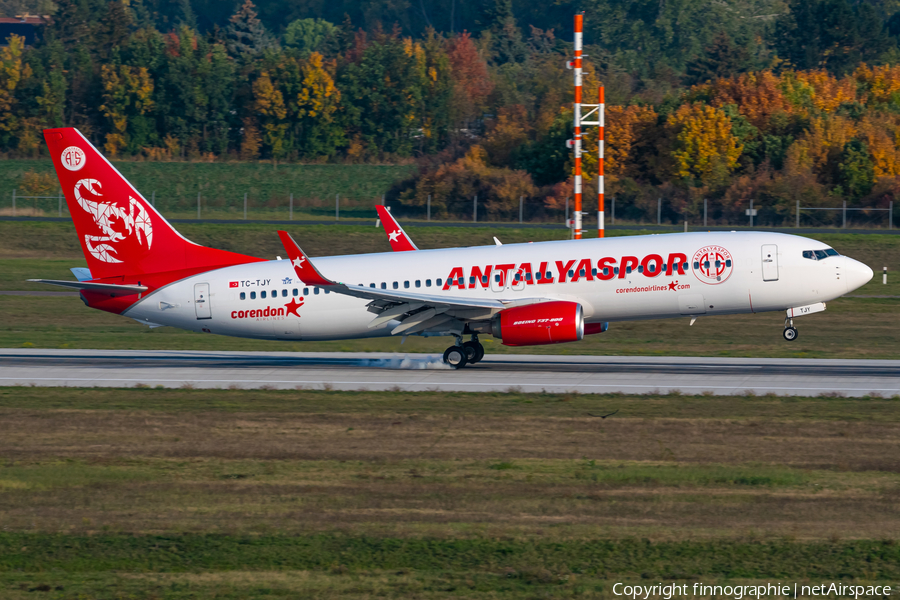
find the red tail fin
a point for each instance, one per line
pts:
(121, 233)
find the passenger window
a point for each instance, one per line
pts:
(327, 291)
(383, 285)
(396, 285)
(471, 280)
(718, 264)
(243, 296)
(627, 270)
(418, 283)
(549, 275)
(527, 277)
(262, 294)
(606, 270)
(284, 293)
(684, 266)
(253, 295)
(640, 269)
(571, 273)
(582, 272)
(616, 270)
(706, 265)
(437, 282)
(594, 272)
(728, 263)
(315, 290)
(306, 291)
(696, 264)
(295, 292)
(484, 279)
(497, 278)
(427, 283)
(406, 284)
(651, 268)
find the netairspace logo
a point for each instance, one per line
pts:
(675, 590)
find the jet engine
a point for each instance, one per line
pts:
(537, 324)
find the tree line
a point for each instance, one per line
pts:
(778, 101)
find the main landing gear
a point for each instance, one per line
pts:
(463, 354)
(790, 332)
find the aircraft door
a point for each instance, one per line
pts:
(770, 262)
(201, 301)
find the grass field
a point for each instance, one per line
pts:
(851, 327)
(262, 494)
(222, 186)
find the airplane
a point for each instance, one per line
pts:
(531, 294)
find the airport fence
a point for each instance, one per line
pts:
(289, 207)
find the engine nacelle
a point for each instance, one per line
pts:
(538, 324)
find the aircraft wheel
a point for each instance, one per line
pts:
(790, 334)
(455, 356)
(474, 352)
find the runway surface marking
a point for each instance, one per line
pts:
(420, 372)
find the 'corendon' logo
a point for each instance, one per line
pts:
(270, 313)
(712, 264)
(72, 158)
(111, 219)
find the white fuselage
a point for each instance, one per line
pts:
(755, 272)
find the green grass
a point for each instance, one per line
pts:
(178, 494)
(223, 185)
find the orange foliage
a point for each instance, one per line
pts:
(882, 83)
(757, 95)
(625, 126)
(828, 92)
(826, 137)
(879, 134)
(506, 134)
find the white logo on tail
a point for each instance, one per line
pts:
(135, 218)
(73, 158)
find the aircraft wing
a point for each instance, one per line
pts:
(399, 240)
(417, 312)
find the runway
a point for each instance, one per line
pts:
(423, 372)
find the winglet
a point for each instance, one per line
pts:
(400, 241)
(303, 267)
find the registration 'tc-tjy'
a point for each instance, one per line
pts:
(522, 294)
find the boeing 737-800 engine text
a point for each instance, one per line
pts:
(522, 294)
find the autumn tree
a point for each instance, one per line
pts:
(705, 149)
(245, 32)
(472, 82)
(10, 76)
(127, 92)
(268, 105)
(382, 94)
(318, 102)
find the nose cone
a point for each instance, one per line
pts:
(856, 274)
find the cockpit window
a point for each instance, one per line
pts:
(820, 254)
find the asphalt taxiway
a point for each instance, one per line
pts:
(419, 372)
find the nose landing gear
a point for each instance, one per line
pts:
(790, 332)
(463, 354)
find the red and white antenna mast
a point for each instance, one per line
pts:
(594, 116)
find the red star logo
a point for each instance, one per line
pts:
(672, 285)
(292, 306)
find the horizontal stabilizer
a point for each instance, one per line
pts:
(103, 288)
(81, 274)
